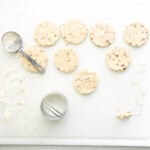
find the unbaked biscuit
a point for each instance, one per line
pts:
(46, 33)
(85, 82)
(136, 34)
(74, 31)
(118, 59)
(38, 55)
(66, 60)
(102, 35)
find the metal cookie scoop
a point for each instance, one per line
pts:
(12, 42)
(54, 106)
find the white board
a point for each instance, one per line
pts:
(90, 119)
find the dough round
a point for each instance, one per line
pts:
(38, 55)
(74, 31)
(118, 59)
(66, 60)
(86, 82)
(102, 35)
(46, 33)
(135, 34)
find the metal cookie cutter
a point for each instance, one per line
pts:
(54, 106)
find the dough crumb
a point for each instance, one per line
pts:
(124, 115)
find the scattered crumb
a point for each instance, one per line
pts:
(137, 80)
(21, 89)
(19, 84)
(3, 103)
(19, 104)
(140, 68)
(7, 117)
(134, 81)
(11, 84)
(124, 115)
(140, 92)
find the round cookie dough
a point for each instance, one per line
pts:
(38, 55)
(118, 59)
(102, 35)
(46, 33)
(136, 34)
(74, 31)
(66, 60)
(86, 82)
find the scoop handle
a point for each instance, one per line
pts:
(37, 66)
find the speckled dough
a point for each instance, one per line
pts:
(136, 34)
(74, 31)
(38, 55)
(46, 33)
(102, 35)
(118, 59)
(66, 60)
(85, 82)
